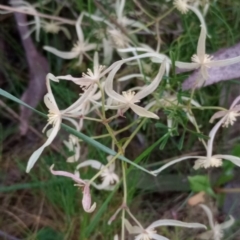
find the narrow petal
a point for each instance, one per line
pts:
(87, 201)
(235, 102)
(186, 65)
(64, 55)
(79, 28)
(158, 237)
(235, 160)
(225, 62)
(153, 85)
(109, 86)
(130, 76)
(228, 223)
(105, 185)
(209, 215)
(34, 157)
(66, 32)
(217, 115)
(90, 46)
(170, 222)
(119, 9)
(202, 43)
(142, 112)
(74, 177)
(132, 229)
(76, 106)
(92, 163)
(107, 51)
(212, 135)
(173, 162)
(50, 102)
(49, 89)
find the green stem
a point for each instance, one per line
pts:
(133, 134)
(106, 166)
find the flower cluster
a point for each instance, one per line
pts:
(147, 90)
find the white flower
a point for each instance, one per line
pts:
(209, 160)
(150, 232)
(73, 145)
(86, 200)
(80, 48)
(216, 232)
(230, 114)
(55, 117)
(89, 78)
(109, 177)
(181, 5)
(204, 61)
(129, 98)
(26, 6)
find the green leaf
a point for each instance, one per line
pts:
(77, 134)
(164, 140)
(201, 183)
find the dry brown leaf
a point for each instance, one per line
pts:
(196, 199)
(217, 74)
(38, 69)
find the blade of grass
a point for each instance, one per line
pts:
(77, 134)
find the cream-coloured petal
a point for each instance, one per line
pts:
(225, 62)
(92, 163)
(217, 115)
(109, 86)
(227, 224)
(209, 215)
(173, 162)
(74, 177)
(61, 54)
(234, 103)
(202, 44)
(212, 136)
(206, 235)
(87, 201)
(132, 229)
(186, 65)
(153, 85)
(79, 28)
(50, 102)
(142, 112)
(170, 222)
(77, 105)
(34, 157)
(235, 160)
(90, 46)
(158, 237)
(66, 32)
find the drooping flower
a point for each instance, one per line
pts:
(108, 175)
(216, 232)
(150, 232)
(204, 61)
(80, 48)
(230, 114)
(128, 99)
(86, 200)
(55, 117)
